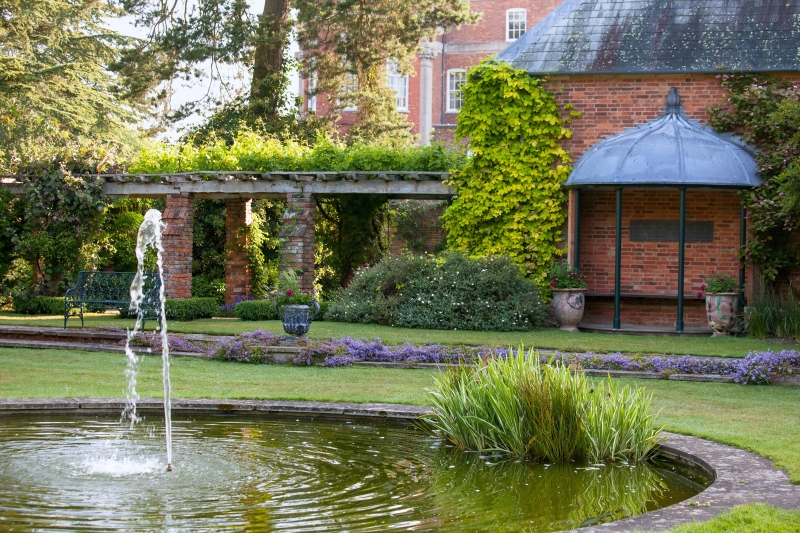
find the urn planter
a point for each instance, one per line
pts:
(297, 318)
(568, 305)
(721, 310)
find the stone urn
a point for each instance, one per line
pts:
(721, 309)
(568, 305)
(297, 318)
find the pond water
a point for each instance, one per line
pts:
(259, 475)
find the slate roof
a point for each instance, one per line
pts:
(670, 151)
(662, 36)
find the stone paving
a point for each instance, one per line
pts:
(740, 477)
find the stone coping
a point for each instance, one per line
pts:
(739, 477)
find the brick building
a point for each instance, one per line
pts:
(431, 95)
(615, 61)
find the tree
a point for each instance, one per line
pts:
(346, 44)
(53, 77)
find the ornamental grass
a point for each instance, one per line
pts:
(516, 405)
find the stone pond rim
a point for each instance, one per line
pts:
(739, 477)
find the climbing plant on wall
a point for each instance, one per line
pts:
(509, 198)
(766, 111)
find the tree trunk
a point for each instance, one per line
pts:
(266, 87)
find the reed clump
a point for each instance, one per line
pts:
(772, 315)
(520, 406)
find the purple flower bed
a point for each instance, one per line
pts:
(245, 347)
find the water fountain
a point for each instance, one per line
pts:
(149, 235)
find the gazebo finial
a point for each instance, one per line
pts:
(673, 102)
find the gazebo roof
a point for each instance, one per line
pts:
(667, 152)
(661, 36)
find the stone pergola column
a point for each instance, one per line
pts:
(238, 274)
(429, 53)
(297, 236)
(177, 239)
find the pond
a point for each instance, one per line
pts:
(299, 474)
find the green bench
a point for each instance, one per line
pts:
(98, 291)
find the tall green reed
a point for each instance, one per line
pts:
(773, 315)
(521, 407)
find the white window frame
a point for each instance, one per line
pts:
(399, 84)
(350, 86)
(311, 99)
(452, 90)
(513, 28)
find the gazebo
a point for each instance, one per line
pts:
(670, 152)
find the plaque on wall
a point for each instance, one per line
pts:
(668, 231)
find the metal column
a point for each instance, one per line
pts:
(617, 259)
(576, 258)
(681, 249)
(742, 244)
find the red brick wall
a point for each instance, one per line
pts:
(238, 274)
(177, 240)
(431, 234)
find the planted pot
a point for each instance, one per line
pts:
(297, 318)
(721, 310)
(568, 306)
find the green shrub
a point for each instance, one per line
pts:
(255, 310)
(38, 305)
(449, 291)
(770, 315)
(522, 407)
(184, 310)
(206, 287)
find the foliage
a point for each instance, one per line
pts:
(520, 407)
(251, 151)
(449, 291)
(289, 292)
(509, 199)
(772, 315)
(246, 348)
(205, 287)
(252, 310)
(38, 305)
(564, 276)
(184, 310)
(11, 216)
(346, 45)
(408, 221)
(766, 110)
(54, 78)
(63, 207)
(715, 283)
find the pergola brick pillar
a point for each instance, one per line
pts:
(177, 240)
(238, 274)
(297, 236)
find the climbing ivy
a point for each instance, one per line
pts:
(509, 198)
(766, 111)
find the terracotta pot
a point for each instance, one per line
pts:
(568, 305)
(721, 309)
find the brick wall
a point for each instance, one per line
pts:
(429, 235)
(177, 240)
(297, 236)
(238, 274)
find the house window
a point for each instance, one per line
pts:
(455, 79)
(399, 84)
(515, 24)
(349, 92)
(311, 97)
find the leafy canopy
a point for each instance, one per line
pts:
(509, 199)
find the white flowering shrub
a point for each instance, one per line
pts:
(448, 291)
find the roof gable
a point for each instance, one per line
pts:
(662, 36)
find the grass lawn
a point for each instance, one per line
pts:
(753, 518)
(762, 419)
(549, 338)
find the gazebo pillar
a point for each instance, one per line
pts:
(297, 236)
(178, 238)
(576, 249)
(618, 260)
(238, 274)
(681, 249)
(742, 244)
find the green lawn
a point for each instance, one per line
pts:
(753, 518)
(762, 419)
(548, 338)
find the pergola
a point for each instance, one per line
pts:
(669, 152)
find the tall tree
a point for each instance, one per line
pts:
(54, 81)
(346, 44)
